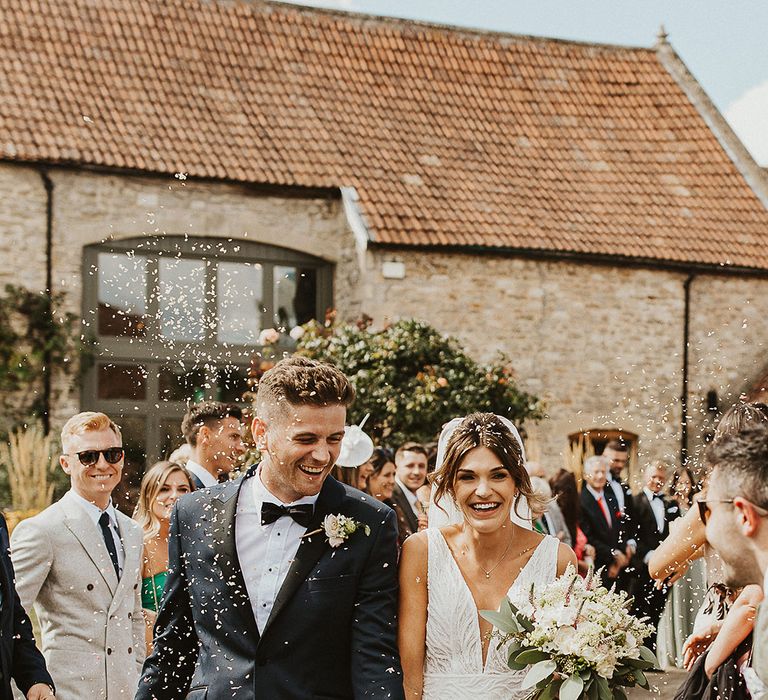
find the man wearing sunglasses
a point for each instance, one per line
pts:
(736, 516)
(79, 563)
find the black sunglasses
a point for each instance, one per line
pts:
(89, 457)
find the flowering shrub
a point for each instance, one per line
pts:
(578, 638)
(411, 379)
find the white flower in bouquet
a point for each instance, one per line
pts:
(577, 637)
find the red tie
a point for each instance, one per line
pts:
(604, 508)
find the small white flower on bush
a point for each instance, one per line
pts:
(297, 332)
(269, 336)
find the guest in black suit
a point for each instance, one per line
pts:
(601, 520)
(20, 659)
(213, 430)
(653, 514)
(410, 476)
(617, 454)
(263, 599)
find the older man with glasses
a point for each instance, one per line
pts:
(736, 516)
(79, 563)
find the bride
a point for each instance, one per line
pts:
(487, 552)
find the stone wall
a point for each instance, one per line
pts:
(603, 346)
(91, 207)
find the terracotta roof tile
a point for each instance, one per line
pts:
(451, 137)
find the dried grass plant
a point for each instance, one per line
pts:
(576, 454)
(29, 458)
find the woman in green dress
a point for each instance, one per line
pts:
(162, 485)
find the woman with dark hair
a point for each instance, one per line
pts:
(472, 564)
(687, 593)
(381, 485)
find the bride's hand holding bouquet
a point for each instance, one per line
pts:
(578, 639)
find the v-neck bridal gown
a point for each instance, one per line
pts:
(453, 664)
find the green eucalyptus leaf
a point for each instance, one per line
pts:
(501, 621)
(531, 656)
(571, 688)
(538, 672)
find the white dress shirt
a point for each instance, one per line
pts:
(619, 491)
(94, 513)
(265, 551)
(201, 473)
(657, 506)
(410, 495)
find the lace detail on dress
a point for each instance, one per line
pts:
(453, 664)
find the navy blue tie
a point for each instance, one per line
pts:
(109, 541)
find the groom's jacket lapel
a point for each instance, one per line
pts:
(310, 549)
(223, 517)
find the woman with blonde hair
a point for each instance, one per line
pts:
(162, 485)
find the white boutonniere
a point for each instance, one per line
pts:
(338, 528)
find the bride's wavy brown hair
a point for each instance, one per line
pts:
(484, 430)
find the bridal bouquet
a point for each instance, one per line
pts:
(578, 639)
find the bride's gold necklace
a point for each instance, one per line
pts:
(488, 572)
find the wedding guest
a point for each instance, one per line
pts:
(410, 476)
(601, 520)
(79, 563)
(353, 465)
(20, 659)
(213, 430)
(687, 594)
(181, 454)
(381, 485)
(735, 514)
(549, 521)
(161, 486)
(653, 514)
(566, 491)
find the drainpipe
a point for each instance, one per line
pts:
(46, 403)
(684, 396)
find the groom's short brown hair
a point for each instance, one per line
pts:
(302, 381)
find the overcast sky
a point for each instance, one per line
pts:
(723, 42)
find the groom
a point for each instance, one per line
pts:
(259, 603)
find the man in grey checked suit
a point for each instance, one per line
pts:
(736, 516)
(79, 563)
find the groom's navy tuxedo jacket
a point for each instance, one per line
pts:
(332, 630)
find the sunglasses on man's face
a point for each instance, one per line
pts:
(704, 508)
(90, 457)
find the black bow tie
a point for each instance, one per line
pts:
(658, 496)
(302, 513)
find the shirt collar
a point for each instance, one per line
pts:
(201, 473)
(410, 495)
(93, 511)
(597, 494)
(649, 494)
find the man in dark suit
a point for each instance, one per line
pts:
(20, 659)
(213, 430)
(601, 522)
(270, 593)
(653, 513)
(410, 476)
(617, 454)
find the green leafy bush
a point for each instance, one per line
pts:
(411, 379)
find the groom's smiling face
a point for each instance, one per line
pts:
(300, 445)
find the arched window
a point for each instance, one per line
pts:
(176, 319)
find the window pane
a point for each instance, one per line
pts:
(122, 294)
(170, 436)
(134, 438)
(179, 384)
(232, 383)
(122, 381)
(239, 302)
(295, 296)
(182, 299)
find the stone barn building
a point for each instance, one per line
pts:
(192, 171)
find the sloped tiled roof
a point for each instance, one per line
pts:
(450, 136)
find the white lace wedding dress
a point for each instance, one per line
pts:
(453, 665)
